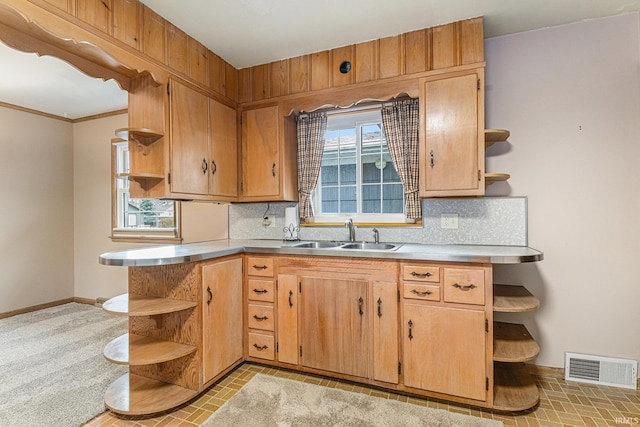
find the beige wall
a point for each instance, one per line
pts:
(36, 223)
(92, 209)
(570, 96)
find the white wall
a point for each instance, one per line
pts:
(36, 221)
(570, 96)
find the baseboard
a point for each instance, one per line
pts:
(36, 307)
(84, 301)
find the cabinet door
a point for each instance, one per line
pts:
(288, 319)
(223, 165)
(260, 154)
(189, 141)
(452, 152)
(221, 317)
(445, 350)
(385, 332)
(333, 329)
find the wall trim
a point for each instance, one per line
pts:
(36, 308)
(64, 119)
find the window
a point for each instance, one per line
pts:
(139, 219)
(357, 177)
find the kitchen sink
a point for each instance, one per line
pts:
(364, 246)
(314, 245)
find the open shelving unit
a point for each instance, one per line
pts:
(491, 136)
(514, 388)
(160, 340)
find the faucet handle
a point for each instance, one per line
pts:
(376, 235)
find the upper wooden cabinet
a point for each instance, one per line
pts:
(269, 168)
(452, 135)
(203, 145)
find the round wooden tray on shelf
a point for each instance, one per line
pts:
(490, 178)
(492, 136)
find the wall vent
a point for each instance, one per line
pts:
(601, 370)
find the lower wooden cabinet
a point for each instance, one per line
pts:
(334, 332)
(385, 332)
(445, 350)
(221, 316)
(287, 316)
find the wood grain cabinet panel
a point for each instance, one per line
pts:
(177, 49)
(261, 317)
(279, 78)
(366, 61)
(338, 56)
(464, 286)
(198, 62)
(222, 316)
(391, 57)
(97, 13)
(127, 21)
(321, 70)
(288, 319)
(66, 5)
(261, 290)
(334, 335)
(416, 51)
(385, 332)
(223, 150)
(452, 145)
(216, 73)
(153, 34)
(445, 46)
(445, 350)
(299, 74)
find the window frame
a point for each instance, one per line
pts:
(365, 115)
(139, 235)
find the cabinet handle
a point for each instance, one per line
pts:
(379, 307)
(290, 302)
(261, 347)
(260, 291)
(360, 302)
(210, 295)
(273, 170)
(260, 267)
(260, 318)
(421, 294)
(416, 274)
(410, 330)
(464, 288)
(432, 161)
(214, 167)
(205, 166)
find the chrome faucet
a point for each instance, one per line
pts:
(352, 229)
(376, 235)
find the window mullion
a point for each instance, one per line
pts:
(359, 168)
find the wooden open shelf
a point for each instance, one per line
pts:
(135, 395)
(132, 349)
(513, 299)
(513, 343)
(135, 305)
(490, 178)
(141, 175)
(492, 136)
(514, 388)
(141, 135)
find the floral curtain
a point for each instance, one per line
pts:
(400, 121)
(311, 130)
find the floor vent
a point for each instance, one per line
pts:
(601, 370)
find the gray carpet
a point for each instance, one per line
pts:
(270, 401)
(52, 371)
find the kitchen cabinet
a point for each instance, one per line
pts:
(385, 332)
(269, 152)
(203, 145)
(260, 308)
(334, 333)
(221, 317)
(445, 330)
(452, 135)
(288, 319)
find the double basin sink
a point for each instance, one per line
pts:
(357, 246)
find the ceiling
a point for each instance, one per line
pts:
(251, 32)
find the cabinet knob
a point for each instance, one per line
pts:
(290, 302)
(416, 274)
(360, 303)
(273, 170)
(210, 295)
(260, 318)
(260, 291)
(214, 167)
(410, 330)
(421, 294)
(261, 347)
(432, 161)
(379, 307)
(205, 166)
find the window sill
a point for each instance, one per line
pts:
(417, 224)
(145, 236)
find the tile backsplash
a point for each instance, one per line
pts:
(481, 221)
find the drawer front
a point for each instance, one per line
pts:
(421, 273)
(422, 292)
(260, 317)
(261, 346)
(260, 290)
(465, 286)
(260, 266)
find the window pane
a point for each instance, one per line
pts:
(348, 171)
(329, 175)
(393, 198)
(371, 198)
(348, 199)
(330, 199)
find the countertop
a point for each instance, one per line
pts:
(177, 254)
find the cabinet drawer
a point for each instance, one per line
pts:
(260, 290)
(260, 317)
(421, 273)
(465, 286)
(422, 292)
(260, 266)
(261, 346)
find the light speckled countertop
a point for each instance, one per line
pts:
(177, 254)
